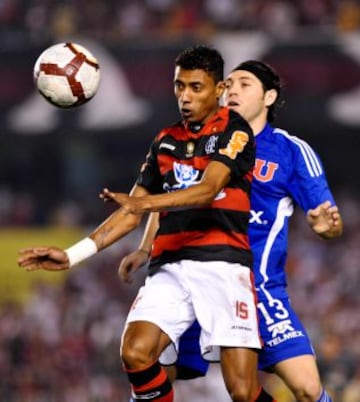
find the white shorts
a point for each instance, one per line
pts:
(220, 295)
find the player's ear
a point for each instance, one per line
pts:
(270, 97)
(220, 87)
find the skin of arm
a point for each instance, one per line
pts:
(325, 220)
(214, 179)
(139, 257)
(112, 229)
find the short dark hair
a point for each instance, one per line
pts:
(269, 78)
(201, 57)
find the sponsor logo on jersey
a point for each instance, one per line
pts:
(236, 144)
(281, 332)
(185, 177)
(167, 146)
(256, 217)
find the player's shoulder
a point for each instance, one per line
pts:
(293, 142)
(299, 152)
(235, 120)
(172, 129)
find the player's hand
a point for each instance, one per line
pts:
(46, 258)
(131, 263)
(129, 205)
(324, 219)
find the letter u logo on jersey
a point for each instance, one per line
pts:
(264, 171)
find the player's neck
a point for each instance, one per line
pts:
(258, 125)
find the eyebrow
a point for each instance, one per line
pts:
(188, 83)
(244, 77)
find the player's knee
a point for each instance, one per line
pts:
(241, 392)
(136, 354)
(308, 392)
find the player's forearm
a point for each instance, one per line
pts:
(151, 228)
(196, 195)
(215, 178)
(111, 230)
(114, 228)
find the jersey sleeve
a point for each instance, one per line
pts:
(236, 147)
(308, 185)
(149, 176)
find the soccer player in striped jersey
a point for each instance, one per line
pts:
(287, 172)
(198, 175)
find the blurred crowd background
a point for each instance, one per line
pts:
(59, 338)
(116, 21)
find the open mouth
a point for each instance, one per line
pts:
(232, 103)
(185, 112)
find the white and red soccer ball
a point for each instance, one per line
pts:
(67, 74)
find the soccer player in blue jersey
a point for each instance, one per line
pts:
(287, 173)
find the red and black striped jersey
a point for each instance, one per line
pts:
(177, 159)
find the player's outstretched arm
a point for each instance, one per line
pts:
(214, 179)
(325, 220)
(52, 258)
(138, 258)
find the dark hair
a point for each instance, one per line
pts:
(201, 57)
(269, 78)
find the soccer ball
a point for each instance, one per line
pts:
(67, 74)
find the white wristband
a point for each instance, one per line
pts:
(81, 251)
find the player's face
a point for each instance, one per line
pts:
(245, 94)
(197, 94)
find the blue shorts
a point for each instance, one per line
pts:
(283, 335)
(190, 363)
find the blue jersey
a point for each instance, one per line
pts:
(287, 172)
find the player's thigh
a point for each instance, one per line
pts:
(300, 374)
(224, 302)
(164, 302)
(239, 367)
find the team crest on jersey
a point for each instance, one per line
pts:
(236, 144)
(210, 145)
(264, 171)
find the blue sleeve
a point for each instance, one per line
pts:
(308, 185)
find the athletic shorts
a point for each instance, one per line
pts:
(283, 335)
(220, 295)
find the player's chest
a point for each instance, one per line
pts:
(195, 152)
(271, 172)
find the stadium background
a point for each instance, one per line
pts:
(59, 333)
